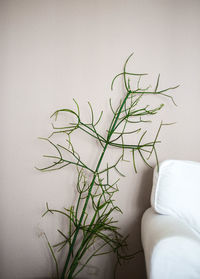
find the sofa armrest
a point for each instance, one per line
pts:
(171, 248)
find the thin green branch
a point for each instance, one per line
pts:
(53, 255)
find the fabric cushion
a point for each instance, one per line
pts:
(171, 248)
(176, 191)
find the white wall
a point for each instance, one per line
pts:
(54, 50)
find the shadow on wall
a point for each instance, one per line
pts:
(135, 268)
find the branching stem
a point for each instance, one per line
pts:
(84, 230)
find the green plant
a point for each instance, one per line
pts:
(91, 226)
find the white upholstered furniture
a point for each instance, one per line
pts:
(171, 227)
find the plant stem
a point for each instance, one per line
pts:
(111, 130)
(82, 215)
(97, 192)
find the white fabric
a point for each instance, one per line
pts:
(176, 191)
(172, 250)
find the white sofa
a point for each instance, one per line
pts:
(171, 227)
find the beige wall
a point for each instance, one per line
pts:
(53, 51)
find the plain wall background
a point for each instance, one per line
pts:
(54, 50)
